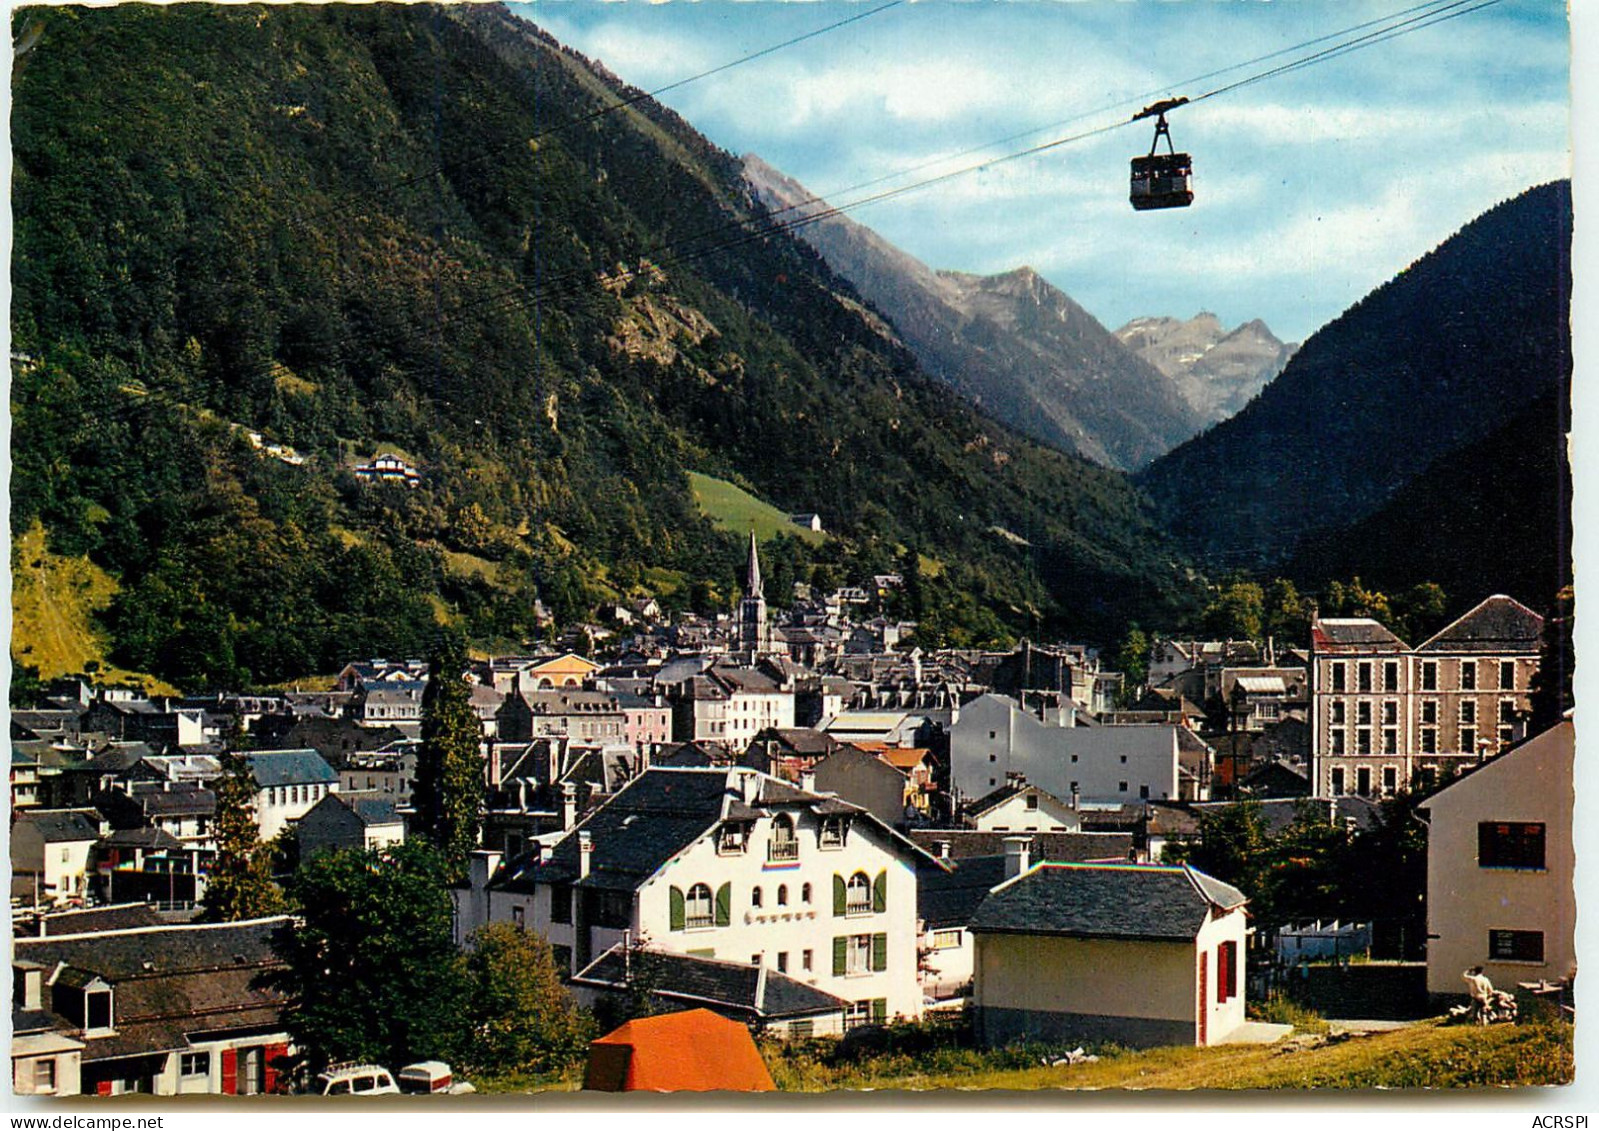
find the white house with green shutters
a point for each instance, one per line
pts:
(730, 864)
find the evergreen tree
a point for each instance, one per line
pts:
(520, 1016)
(240, 885)
(1132, 660)
(373, 971)
(449, 774)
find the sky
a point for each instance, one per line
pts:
(1312, 188)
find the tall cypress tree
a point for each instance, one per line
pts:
(240, 885)
(449, 772)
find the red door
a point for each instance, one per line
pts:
(1204, 994)
(230, 1072)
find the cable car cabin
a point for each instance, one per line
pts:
(1161, 180)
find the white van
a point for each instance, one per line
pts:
(355, 1080)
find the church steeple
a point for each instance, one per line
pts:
(752, 586)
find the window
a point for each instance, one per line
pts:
(698, 910)
(1337, 781)
(1390, 713)
(782, 895)
(1143, 792)
(1468, 711)
(1429, 675)
(44, 1074)
(1390, 740)
(1510, 844)
(947, 939)
(993, 734)
(801, 1030)
(1507, 675)
(835, 831)
(755, 896)
(858, 895)
(1390, 779)
(1339, 713)
(519, 916)
(1516, 946)
(1363, 740)
(732, 839)
(560, 903)
(784, 845)
(805, 893)
(563, 959)
(1336, 670)
(805, 960)
(1468, 675)
(1121, 787)
(194, 1064)
(1338, 739)
(1507, 711)
(1390, 675)
(859, 1013)
(1030, 801)
(1429, 740)
(1429, 711)
(1363, 713)
(858, 955)
(1226, 971)
(1124, 759)
(1363, 781)
(755, 960)
(97, 1009)
(1363, 676)
(1506, 735)
(1468, 739)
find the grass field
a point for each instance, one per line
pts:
(1426, 1055)
(53, 603)
(732, 508)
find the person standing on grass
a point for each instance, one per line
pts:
(1481, 993)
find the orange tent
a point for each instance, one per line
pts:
(692, 1051)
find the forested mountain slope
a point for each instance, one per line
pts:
(1434, 360)
(346, 226)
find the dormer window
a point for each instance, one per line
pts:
(835, 831)
(97, 1009)
(732, 839)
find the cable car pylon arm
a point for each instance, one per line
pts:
(1159, 108)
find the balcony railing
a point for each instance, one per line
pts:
(782, 850)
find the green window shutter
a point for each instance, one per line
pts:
(880, 1010)
(838, 894)
(840, 943)
(880, 891)
(677, 916)
(880, 952)
(724, 905)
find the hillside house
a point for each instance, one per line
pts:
(288, 783)
(1500, 866)
(171, 1010)
(1017, 807)
(51, 852)
(729, 864)
(349, 820)
(388, 468)
(1138, 954)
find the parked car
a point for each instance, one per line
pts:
(355, 1080)
(431, 1077)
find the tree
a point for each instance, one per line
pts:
(1287, 616)
(373, 973)
(449, 770)
(1132, 659)
(520, 1017)
(1551, 685)
(1419, 611)
(240, 885)
(1237, 612)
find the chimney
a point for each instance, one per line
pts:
(585, 853)
(1016, 855)
(1076, 795)
(808, 780)
(760, 987)
(33, 989)
(568, 804)
(481, 866)
(943, 850)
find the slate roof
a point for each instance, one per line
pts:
(145, 836)
(185, 948)
(370, 809)
(1071, 847)
(62, 825)
(289, 767)
(1500, 624)
(1353, 634)
(118, 918)
(949, 899)
(1127, 901)
(726, 987)
(177, 802)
